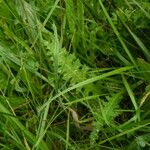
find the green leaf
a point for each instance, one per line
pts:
(144, 69)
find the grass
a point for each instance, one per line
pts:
(74, 74)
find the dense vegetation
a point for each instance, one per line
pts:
(74, 74)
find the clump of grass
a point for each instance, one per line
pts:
(74, 74)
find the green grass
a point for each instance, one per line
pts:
(74, 74)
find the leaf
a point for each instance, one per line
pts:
(12, 119)
(68, 65)
(70, 13)
(139, 142)
(144, 69)
(130, 92)
(146, 95)
(105, 115)
(3, 80)
(138, 41)
(117, 33)
(85, 82)
(75, 117)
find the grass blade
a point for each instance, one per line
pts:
(117, 33)
(91, 80)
